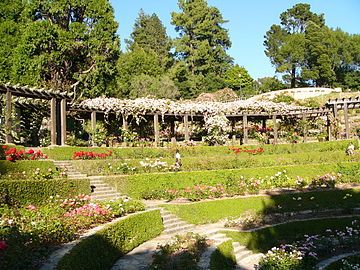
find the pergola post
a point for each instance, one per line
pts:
(275, 129)
(8, 120)
(346, 117)
(233, 138)
(63, 121)
(305, 127)
(335, 119)
(156, 129)
(93, 126)
(186, 127)
(245, 129)
(328, 127)
(53, 121)
(124, 122)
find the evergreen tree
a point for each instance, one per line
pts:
(150, 34)
(285, 44)
(202, 46)
(238, 79)
(10, 18)
(68, 44)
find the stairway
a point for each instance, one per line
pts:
(67, 166)
(174, 225)
(102, 191)
(246, 259)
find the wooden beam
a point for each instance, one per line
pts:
(63, 121)
(346, 117)
(156, 129)
(93, 126)
(275, 129)
(245, 129)
(186, 127)
(8, 118)
(53, 120)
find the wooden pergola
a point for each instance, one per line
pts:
(58, 102)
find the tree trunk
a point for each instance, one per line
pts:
(293, 77)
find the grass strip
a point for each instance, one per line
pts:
(213, 211)
(223, 258)
(264, 239)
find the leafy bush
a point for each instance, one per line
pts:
(183, 252)
(25, 169)
(102, 249)
(22, 192)
(12, 154)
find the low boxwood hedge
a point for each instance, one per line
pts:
(23, 192)
(101, 250)
(27, 166)
(138, 186)
(65, 153)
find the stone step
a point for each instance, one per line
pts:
(243, 254)
(105, 197)
(249, 262)
(178, 230)
(177, 224)
(238, 248)
(170, 221)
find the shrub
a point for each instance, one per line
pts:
(22, 192)
(26, 170)
(13, 154)
(91, 155)
(325, 181)
(282, 259)
(183, 252)
(102, 249)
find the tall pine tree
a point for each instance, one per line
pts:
(201, 46)
(68, 44)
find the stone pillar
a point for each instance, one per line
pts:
(346, 117)
(63, 121)
(8, 120)
(275, 129)
(186, 127)
(124, 122)
(53, 120)
(328, 127)
(93, 126)
(156, 129)
(245, 128)
(305, 127)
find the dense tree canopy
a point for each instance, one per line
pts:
(201, 45)
(66, 44)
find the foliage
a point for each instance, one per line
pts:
(21, 192)
(223, 258)
(91, 155)
(213, 211)
(182, 252)
(217, 127)
(325, 181)
(117, 239)
(61, 51)
(238, 79)
(201, 46)
(12, 154)
(267, 84)
(286, 98)
(98, 135)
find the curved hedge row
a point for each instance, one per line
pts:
(101, 250)
(65, 153)
(27, 166)
(38, 191)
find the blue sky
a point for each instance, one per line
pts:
(248, 22)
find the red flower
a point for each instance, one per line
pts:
(4, 147)
(30, 151)
(3, 245)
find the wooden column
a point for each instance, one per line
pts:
(8, 120)
(275, 129)
(245, 129)
(93, 126)
(186, 127)
(63, 121)
(53, 121)
(156, 129)
(172, 128)
(264, 123)
(305, 127)
(233, 138)
(328, 127)
(335, 120)
(124, 122)
(346, 117)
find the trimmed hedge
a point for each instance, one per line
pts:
(23, 192)
(213, 211)
(139, 185)
(65, 153)
(264, 239)
(101, 250)
(7, 167)
(223, 258)
(243, 160)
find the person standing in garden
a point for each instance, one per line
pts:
(177, 159)
(350, 150)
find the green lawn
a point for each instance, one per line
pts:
(213, 211)
(264, 239)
